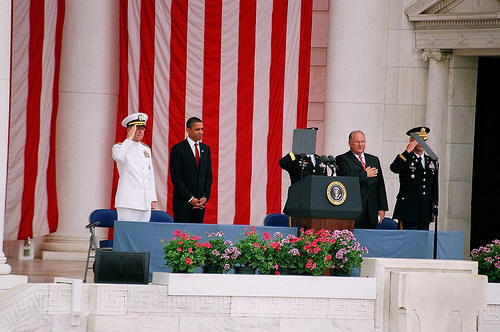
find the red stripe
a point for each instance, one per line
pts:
(276, 88)
(304, 63)
(211, 96)
(177, 83)
(52, 211)
(146, 64)
(37, 9)
(245, 99)
(122, 94)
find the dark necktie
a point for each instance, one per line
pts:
(197, 154)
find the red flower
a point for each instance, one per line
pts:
(266, 236)
(189, 261)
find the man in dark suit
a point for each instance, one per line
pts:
(371, 180)
(191, 174)
(417, 200)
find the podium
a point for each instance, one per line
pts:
(329, 202)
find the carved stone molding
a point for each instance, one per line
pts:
(445, 24)
(437, 55)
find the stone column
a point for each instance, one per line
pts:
(356, 70)
(85, 123)
(436, 116)
(5, 19)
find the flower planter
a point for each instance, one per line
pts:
(211, 269)
(340, 273)
(244, 270)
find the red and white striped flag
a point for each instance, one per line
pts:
(240, 66)
(31, 203)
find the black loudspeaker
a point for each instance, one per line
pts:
(121, 267)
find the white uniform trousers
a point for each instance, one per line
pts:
(125, 214)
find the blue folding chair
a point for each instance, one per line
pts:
(160, 216)
(277, 219)
(102, 218)
(387, 223)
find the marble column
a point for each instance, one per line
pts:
(5, 19)
(356, 71)
(436, 115)
(85, 122)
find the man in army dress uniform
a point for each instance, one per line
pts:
(417, 200)
(300, 166)
(136, 192)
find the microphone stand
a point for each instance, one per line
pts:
(434, 254)
(302, 166)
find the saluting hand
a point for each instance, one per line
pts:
(413, 143)
(131, 132)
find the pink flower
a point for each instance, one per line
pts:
(190, 250)
(266, 236)
(189, 261)
(179, 249)
(276, 266)
(195, 237)
(256, 245)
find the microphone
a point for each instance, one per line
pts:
(323, 163)
(324, 160)
(333, 164)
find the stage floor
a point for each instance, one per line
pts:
(40, 271)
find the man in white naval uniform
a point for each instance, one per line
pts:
(136, 192)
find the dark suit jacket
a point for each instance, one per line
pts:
(188, 180)
(417, 199)
(373, 196)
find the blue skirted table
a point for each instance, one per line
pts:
(146, 237)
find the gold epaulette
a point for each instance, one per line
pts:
(402, 157)
(292, 156)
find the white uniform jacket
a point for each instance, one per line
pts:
(136, 185)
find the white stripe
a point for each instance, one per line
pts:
(134, 54)
(40, 221)
(161, 100)
(17, 123)
(261, 111)
(228, 112)
(290, 86)
(194, 61)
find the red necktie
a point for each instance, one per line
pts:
(362, 162)
(197, 154)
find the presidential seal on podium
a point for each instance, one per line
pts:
(336, 193)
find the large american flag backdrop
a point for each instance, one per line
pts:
(31, 202)
(240, 66)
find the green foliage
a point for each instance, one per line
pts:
(347, 253)
(219, 253)
(253, 251)
(183, 253)
(488, 259)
